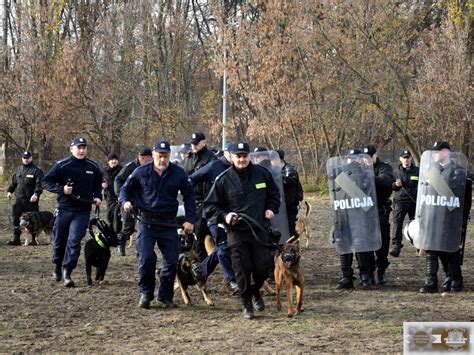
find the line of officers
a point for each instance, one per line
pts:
(149, 186)
(147, 189)
(360, 187)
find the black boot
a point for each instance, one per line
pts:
(67, 281)
(57, 273)
(396, 249)
(346, 282)
(248, 309)
(365, 281)
(447, 284)
(381, 277)
(431, 283)
(15, 240)
(454, 271)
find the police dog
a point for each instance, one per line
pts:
(189, 271)
(97, 249)
(303, 225)
(37, 222)
(288, 268)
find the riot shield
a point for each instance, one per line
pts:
(440, 200)
(272, 162)
(354, 209)
(176, 155)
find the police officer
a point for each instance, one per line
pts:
(450, 172)
(113, 209)
(26, 184)
(249, 190)
(405, 187)
(183, 151)
(153, 189)
(221, 253)
(293, 191)
(384, 180)
(128, 223)
(77, 182)
(198, 158)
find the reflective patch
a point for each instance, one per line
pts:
(30, 176)
(414, 178)
(89, 172)
(262, 185)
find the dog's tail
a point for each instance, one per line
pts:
(209, 244)
(308, 208)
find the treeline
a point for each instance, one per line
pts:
(311, 77)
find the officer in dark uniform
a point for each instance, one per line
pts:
(249, 190)
(113, 209)
(26, 184)
(405, 187)
(198, 158)
(451, 261)
(293, 191)
(153, 189)
(384, 180)
(128, 223)
(221, 253)
(77, 182)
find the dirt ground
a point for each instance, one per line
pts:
(39, 315)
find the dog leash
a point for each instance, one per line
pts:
(249, 221)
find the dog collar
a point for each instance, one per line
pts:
(99, 241)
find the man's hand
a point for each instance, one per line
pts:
(188, 228)
(398, 183)
(127, 207)
(269, 214)
(97, 202)
(9, 195)
(67, 189)
(34, 198)
(231, 218)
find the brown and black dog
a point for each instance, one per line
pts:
(303, 225)
(288, 268)
(37, 222)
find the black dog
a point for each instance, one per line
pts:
(189, 272)
(35, 223)
(97, 249)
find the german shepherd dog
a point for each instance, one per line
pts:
(303, 225)
(37, 222)
(97, 249)
(189, 271)
(288, 268)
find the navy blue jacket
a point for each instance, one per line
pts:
(209, 172)
(86, 178)
(156, 195)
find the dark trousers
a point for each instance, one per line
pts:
(201, 229)
(20, 206)
(220, 255)
(292, 212)
(68, 230)
(114, 216)
(127, 226)
(250, 261)
(381, 255)
(168, 242)
(400, 210)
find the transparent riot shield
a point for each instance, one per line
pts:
(440, 200)
(177, 155)
(356, 226)
(272, 162)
